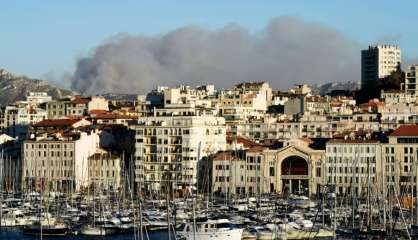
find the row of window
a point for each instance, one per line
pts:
(102, 173)
(346, 180)
(50, 173)
(349, 149)
(51, 154)
(45, 146)
(350, 170)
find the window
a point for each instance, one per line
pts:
(271, 171)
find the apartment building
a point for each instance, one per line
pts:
(400, 158)
(75, 106)
(411, 82)
(395, 115)
(105, 171)
(353, 165)
(293, 169)
(245, 100)
(308, 126)
(36, 98)
(377, 62)
(170, 144)
(237, 107)
(17, 119)
(318, 104)
(58, 162)
(398, 96)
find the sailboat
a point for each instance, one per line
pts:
(46, 226)
(95, 229)
(220, 229)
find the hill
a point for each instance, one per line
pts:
(14, 87)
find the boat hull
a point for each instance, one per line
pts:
(232, 234)
(45, 231)
(97, 231)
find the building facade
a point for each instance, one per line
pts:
(293, 169)
(105, 171)
(58, 163)
(168, 149)
(353, 166)
(378, 62)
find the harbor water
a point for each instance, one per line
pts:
(15, 234)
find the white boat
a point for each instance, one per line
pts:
(296, 231)
(220, 229)
(47, 227)
(271, 232)
(14, 218)
(90, 230)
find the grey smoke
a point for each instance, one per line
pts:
(286, 52)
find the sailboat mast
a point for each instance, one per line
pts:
(416, 188)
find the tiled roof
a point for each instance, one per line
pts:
(405, 131)
(98, 111)
(225, 156)
(56, 122)
(79, 100)
(245, 141)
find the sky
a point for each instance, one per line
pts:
(44, 39)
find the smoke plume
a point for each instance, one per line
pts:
(286, 52)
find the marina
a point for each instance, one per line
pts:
(195, 217)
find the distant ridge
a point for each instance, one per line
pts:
(327, 88)
(15, 87)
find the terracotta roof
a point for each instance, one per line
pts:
(79, 100)
(245, 141)
(98, 111)
(406, 131)
(225, 156)
(56, 122)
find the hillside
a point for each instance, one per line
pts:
(327, 88)
(14, 87)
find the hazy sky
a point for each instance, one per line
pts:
(45, 38)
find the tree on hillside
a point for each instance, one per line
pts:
(391, 82)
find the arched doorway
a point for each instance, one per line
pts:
(295, 175)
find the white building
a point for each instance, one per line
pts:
(395, 115)
(17, 119)
(411, 80)
(378, 62)
(105, 171)
(353, 164)
(36, 98)
(60, 162)
(398, 96)
(170, 144)
(302, 89)
(97, 103)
